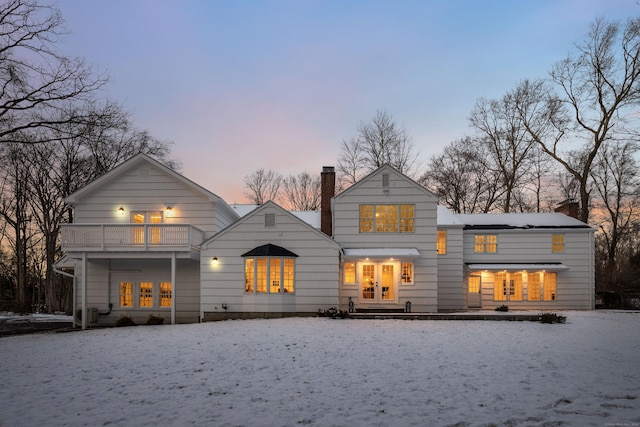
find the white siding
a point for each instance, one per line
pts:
(575, 286)
(423, 295)
(452, 290)
(316, 267)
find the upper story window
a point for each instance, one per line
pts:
(387, 218)
(153, 233)
(557, 243)
(486, 243)
(441, 243)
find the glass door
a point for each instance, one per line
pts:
(368, 282)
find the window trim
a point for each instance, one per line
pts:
(135, 296)
(412, 273)
(263, 279)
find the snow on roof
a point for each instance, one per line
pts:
(310, 217)
(243, 209)
(521, 220)
(447, 217)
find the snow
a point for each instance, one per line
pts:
(524, 220)
(325, 372)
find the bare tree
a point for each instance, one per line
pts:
(617, 209)
(461, 178)
(36, 80)
(302, 192)
(591, 99)
(382, 141)
(509, 146)
(262, 186)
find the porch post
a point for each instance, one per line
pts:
(84, 291)
(173, 288)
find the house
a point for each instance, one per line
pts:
(147, 241)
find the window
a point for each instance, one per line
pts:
(349, 272)
(549, 287)
(269, 220)
(541, 286)
(273, 275)
(557, 243)
(146, 294)
(507, 286)
(166, 294)
(126, 294)
(153, 234)
(385, 179)
(486, 243)
(387, 218)
(407, 272)
(441, 244)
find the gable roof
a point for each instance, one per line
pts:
(382, 169)
(258, 211)
(135, 162)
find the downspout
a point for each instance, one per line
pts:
(73, 292)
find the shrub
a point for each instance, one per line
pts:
(333, 313)
(552, 318)
(154, 320)
(125, 321)
(502, 308)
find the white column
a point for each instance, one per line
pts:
(84, 291)
(173, 288)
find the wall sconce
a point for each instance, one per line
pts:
(121, 211)
(214, 260)
(168, 212)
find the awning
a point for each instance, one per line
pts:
(269, 250)
(519, 267)
(382, 253)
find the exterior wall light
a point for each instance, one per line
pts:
(121, 211)
(214, 260)
(168, 212)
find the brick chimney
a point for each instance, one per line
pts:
(327, 191)
(568, 207)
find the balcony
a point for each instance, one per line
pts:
(130, 238)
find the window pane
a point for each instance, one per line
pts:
(406, 218)
(349, 272)
(441, 245)
(289, 274)
(516, 287)
(491, 243)
(407, 272)
(533, 286)
(557, 243)
(366, 218)
(166, 294)
(386, 218)
(146, 294)
(126, 294)
(249, 275)
(261, 276)
(549, 286)
(479, 243)
(274, 275)
(500, 287)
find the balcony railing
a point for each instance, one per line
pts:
(135, 237)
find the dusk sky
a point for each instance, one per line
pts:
(243, 85)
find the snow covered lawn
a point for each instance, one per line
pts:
(324, 372)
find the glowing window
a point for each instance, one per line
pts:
(126, 294)
(146, 294)
(289, 274)
(557, 243)
(249, 275)
(274, 275)
(486, 243)
(349, 272)
(261, 275)
(407, 272)
(441, 244)
(166, 294)
(366, 218)
(269, 275)
(534, 285)
(387, 218)
(549, 287)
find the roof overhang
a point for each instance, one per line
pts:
(381, 253)
(519, 267)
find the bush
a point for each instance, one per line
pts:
(154, 320)
(333, 313)
(125, 321)
(502, 308)
(552, 318)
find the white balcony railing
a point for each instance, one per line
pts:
(105, 237)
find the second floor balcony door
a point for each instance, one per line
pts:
(152, 233)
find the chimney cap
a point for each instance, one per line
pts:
(328, 169)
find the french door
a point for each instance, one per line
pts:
(378, 282)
